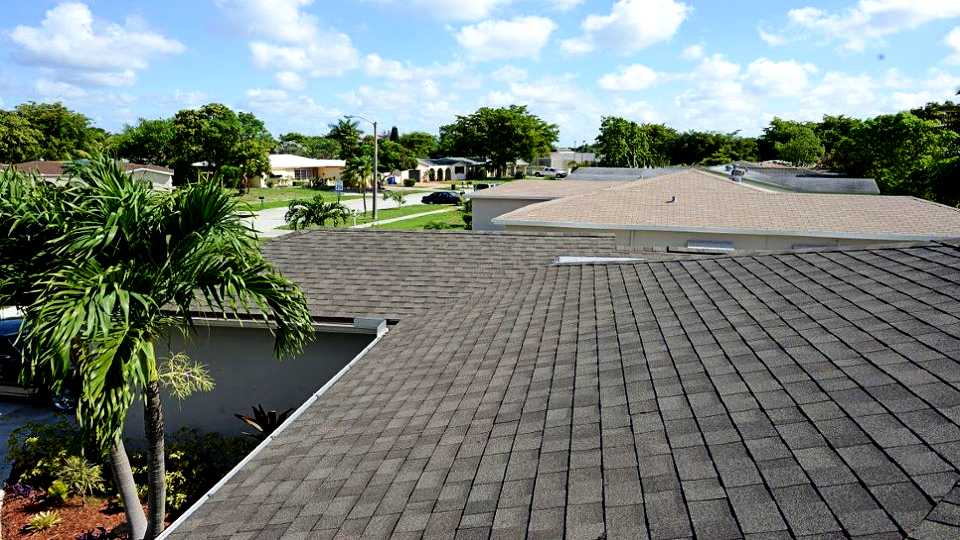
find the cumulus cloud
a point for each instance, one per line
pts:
(294, 111)
(630, 26)
(630, 78)
(395, 70)
(509, 73)
(58, 90)
(871, 20)
(456, 10)
(787, 78)
(564, 5)
(289, 41)
(953, 41)
(77, 48)
(770, 38)
(520, 37)
(693, 52)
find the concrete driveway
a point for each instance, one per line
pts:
(268, 222)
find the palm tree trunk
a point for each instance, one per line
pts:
(156, 474)
(123, 476)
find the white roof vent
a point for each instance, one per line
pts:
(576, 260)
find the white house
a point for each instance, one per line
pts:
(285, 168)
(160, 177)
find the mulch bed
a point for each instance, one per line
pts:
(76, 518)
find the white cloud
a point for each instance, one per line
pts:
(509, 73)
(564, 5)
(290, 41)
(630, 26)
(630, 78)
(58, 90)
(953, 41)
(460, 10)
(693, 52)
(716, 67)
(82, 50)
(521, 37)
(190, 98)
(377, 66)
(774, 40)
(788, 78)
(872, 20)
(295, 111)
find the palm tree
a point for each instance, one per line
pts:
(358, 169)
(104, 267)
(306, 212)
(347, 133)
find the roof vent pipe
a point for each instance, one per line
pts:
(672, 199)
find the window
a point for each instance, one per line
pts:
(303, 174)
(459, 169)
(710, 246)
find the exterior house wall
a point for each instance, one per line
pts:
(158, 179)
(484, 210)
(285, 177)
(677, 240)
(246, 374)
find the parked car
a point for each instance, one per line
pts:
(10, 364)
(442, 197)
(550, 172)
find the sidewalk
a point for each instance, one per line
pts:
(403, 218)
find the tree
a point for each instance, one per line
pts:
(394, 157)
(347, 134)
(419, 143)
(64, 134)
(150, 141)
(802, 149)
(394, 134)
(623, 143)
(303, 213)
(500, 135)
(779, 131)
(835, 132)
(395, 196)
(114, 266)
(711, 148)
(218, 136)
(357, 173)
(19, 141)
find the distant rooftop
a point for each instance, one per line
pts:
(55, 168)
(698, 201)
(293, 161)
(619, 173)
(805, 180)
(542, 189)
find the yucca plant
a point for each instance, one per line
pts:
(264, 422)
(43, 521)
(105, 266)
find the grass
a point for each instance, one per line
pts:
(452, 218)
(389, 213)
(279, 197)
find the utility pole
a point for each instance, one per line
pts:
(376, 172)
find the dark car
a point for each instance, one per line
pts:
(10, 364)
(442, 197)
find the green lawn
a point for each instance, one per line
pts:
(390, 213)
(281, 196)
(451, 218)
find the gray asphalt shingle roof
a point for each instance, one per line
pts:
(784, 395)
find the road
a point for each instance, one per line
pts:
(268, 222)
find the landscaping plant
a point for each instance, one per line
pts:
(80, 477)
(264, 422)
(58, 492)
(43, 521)
(104, 266)
(315, 212)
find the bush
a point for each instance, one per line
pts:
(270, 183)
(478, 187)
(453, 187)
(519, 175)
(80, 477)
(37, 451)
(409, 182)
(437, 225)
(58, 492)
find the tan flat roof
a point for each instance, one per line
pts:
(704, 202)
(542, 189)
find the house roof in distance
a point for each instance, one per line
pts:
(293, 161)
(619, 173)
(805, 180)
(706, 202)
(55, 168)
(812, 394)
(541, 189)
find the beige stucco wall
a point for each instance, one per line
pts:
(158, 179)
(246, 373)
(287, 176)
(665, 239)
(484, 210)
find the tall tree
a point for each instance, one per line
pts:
(394, 134)
(64, 134)
(150, 141)
(120, 266)
(218, 136)
(347, 134)
(421, 144)
(500, 135)
(19, 141)
(624, 143)
(802, 149)
(779, 131)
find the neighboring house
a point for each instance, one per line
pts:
(444, 169)
(795, 395)
(287, 168)
(699, 210)
(160, 177)
(562, 158)
(406, 273)
(803, 180)
(620, 174)
(507, 197)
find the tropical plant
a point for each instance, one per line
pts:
(112, 266)
(304, 213)
(357, 174)
(80, 477)
(43, 521)
(100, 533)
(437, 225)
(466, 213)
(395, 196)
(183, 377)
(36, 451)
(264, 422)
(58, 492)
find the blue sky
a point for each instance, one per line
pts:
(299, 64)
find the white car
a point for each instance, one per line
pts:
(550, 172)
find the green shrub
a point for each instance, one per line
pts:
(36, 451)
(42, 522)
(437, 225)
(81, 477)
(58, 492)
(409, 182)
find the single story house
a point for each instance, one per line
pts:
(160, 177)
(790, 395)
(286, 168)
(444, 169)
(563, 158)
(787, 178)
(509, 196)
(698, 210)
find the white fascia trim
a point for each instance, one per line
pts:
(717, 230)
(338, 328)
(289, 421)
